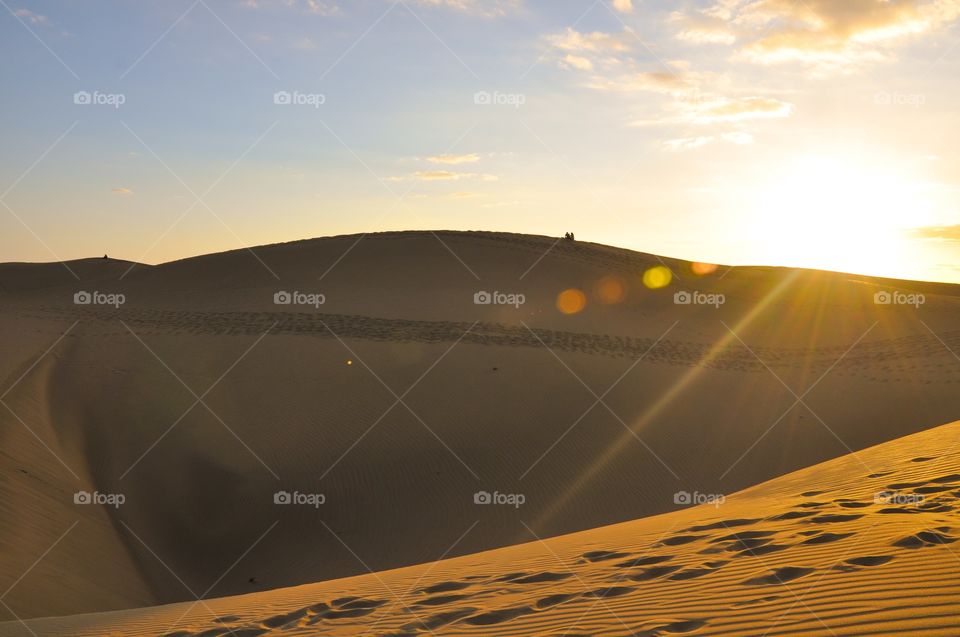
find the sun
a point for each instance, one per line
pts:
(837, 213)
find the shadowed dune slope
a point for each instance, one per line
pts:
(399, 398)
(866, 544)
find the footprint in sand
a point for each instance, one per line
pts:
(438, 621)
(691, 573)
(612, 591)
(602, 556)
(953, 477)
(870, 560)
(554, 600)
(763, 550)
(498, 616)
(644, 561)
(742, 535)
(538, 578)
(780, 576)
(835, 517)
(441, 600)
(924, 539)
(673, 628)
(827, 538)
(278, 621)
(853, 504)
(678, 540)
(445, 587)
(652, 573)
(793, 515)
(725, 524)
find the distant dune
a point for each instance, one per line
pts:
(398, 399)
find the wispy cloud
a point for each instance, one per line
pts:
(939, 233)
(31, 17)
(606, 62)
(444, 175)
(594, 42)
(623, 6)
(487, 8)
(454, 159)
(122, 191)
(832, 35)
(316, 7)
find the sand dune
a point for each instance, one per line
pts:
(398, 399)
(828, 550)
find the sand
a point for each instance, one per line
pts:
(828, 550)
(493, 398)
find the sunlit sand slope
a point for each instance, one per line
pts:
(866, 544)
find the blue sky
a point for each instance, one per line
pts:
(810, 133)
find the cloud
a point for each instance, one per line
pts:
(938, 233)
(31, 17)
(122, 191)
(739, 109)
(304, 44)
(454, 159)
(606, 62)
(574, 41)
(623, 6)
(322, 8)
(689, 143)
(576, 62)
(316, 7)
(445, 175)
(486, 8)
(653, 81)
(835, 35)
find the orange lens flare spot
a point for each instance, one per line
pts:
(571, 301)
(657, 277)
(611, 290)
(703, 269)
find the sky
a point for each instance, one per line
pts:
(813, 133)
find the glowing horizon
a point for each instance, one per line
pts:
(724, 131)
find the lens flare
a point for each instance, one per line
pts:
(611, 290)
(703, 269)
(657, 277)
(571, 301)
